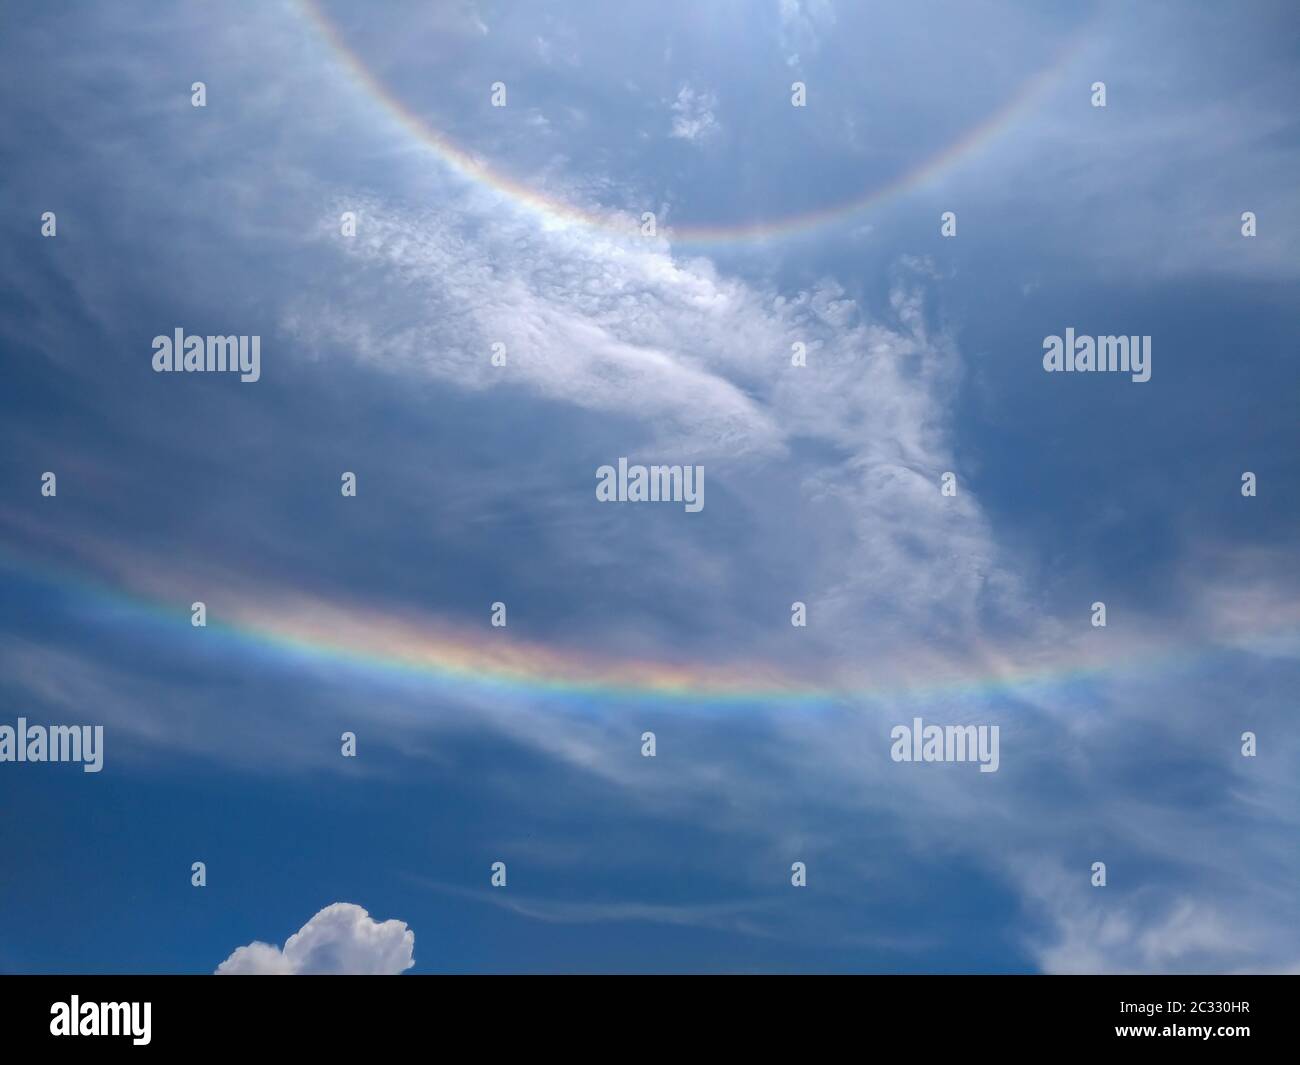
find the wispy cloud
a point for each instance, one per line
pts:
(694, 114)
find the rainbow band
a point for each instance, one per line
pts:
(314, 633)
(552, 211)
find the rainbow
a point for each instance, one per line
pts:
(552, 212)
(330, 639)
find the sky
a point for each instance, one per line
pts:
(837, 310)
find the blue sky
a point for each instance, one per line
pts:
(521, 225)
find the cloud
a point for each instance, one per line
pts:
(693, 115)
(1149, 931)
(341, 939)
(702, 360)
(803, 25)
(730, 915)
(588, 319)
(852, 445)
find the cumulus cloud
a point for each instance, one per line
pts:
(342, 939)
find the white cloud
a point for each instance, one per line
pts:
(803, 24)
(588, 318)
(693, 114)
(341, 939)
(619, 324)
(1147, 931)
